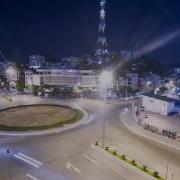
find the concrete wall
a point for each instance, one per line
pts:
(158, 106)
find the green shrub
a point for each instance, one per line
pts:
(123, 157)
(144, 168)
(114, 153)
(133, 162)
(156, 174)
(96, 143)
(107, 148)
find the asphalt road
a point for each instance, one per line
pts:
(71, 156)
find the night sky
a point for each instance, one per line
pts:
(63, 28)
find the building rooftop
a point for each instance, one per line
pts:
(163, 98)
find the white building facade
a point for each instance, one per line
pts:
(61, 77)
(158, 104)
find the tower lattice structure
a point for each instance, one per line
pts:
(101, 53)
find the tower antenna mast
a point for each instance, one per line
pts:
(101, 53)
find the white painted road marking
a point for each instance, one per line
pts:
(25, 160)
(29, 160)
(31, 177)
(70, 166)
(89, 158)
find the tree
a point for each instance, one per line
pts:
(56, 91)
(67, 92)
(35, 90)
(3, 81)
(20, 86)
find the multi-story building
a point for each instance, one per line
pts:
(62, 77)
(37, 61)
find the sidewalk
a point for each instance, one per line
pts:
(138, 130)
(171, 123)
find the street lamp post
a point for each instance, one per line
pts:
(168, 155)
(168, 159)
(10, 72)
(106, 79)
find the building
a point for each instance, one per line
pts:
(158, 104)
(132, 80)
(37, 61)
(54, 65)
(62, 77)
(128, 79)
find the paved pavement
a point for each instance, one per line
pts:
(171, 123)
(70, 155)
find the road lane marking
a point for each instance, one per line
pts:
(69, 166)
(31, 159)
(31, 177)
(90, 159)
(26, 160)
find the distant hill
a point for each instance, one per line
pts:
(143, 66)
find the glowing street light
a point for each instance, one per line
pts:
(10, 72)
(106, 81)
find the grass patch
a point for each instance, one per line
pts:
(58, 122)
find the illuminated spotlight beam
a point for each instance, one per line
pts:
(157, 44)
(145, 34)
(151, 47)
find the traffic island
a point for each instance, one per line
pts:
(38, 117)
(143, 168)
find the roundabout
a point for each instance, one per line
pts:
(38, 117)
